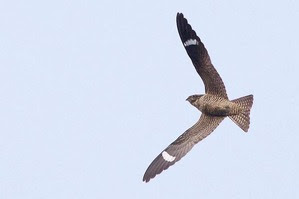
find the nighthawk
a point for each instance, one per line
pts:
(214, 104)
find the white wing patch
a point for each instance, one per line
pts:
(167, 157)
(190, 42)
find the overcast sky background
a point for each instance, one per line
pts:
(93, 91)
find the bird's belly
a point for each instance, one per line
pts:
(217, 109)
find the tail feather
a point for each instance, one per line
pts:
(243, 118)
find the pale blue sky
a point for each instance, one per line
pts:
(93, 91)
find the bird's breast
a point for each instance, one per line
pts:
(217, 110)
(214, 105)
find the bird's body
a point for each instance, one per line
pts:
(214, 104)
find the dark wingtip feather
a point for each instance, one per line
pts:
(155, 168)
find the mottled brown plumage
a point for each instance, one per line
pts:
(214, 104)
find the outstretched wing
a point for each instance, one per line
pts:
(200, 58)
(182, 145)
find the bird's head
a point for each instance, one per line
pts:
(192, 99)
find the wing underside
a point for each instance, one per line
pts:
(182, 145)
(200, 58)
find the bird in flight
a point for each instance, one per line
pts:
(214, 104)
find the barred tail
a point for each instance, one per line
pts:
(243, 118)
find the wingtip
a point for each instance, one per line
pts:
(146, 179)
(179, 15)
